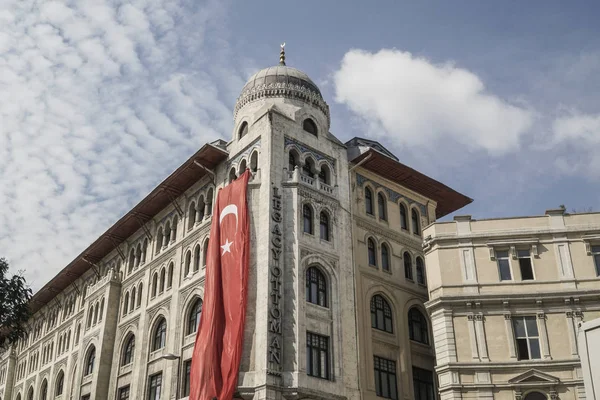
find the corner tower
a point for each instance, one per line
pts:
(300, 339)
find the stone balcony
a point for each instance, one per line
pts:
(296, 176)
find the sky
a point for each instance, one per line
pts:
(101, 99)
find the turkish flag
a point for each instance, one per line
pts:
(218, 348)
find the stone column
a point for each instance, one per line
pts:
(473, 337)
(572, 332)
(481, 340)
(543, 335)
(510, 334)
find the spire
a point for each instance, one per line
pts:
(282, 55)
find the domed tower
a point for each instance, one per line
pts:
(300, 338)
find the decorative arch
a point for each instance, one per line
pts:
(44, 390)
(131, 261)
(90, 360)
(30, 393)
(126, 303)
(154, 284)
(162, 280)
(325, 172)
(187, 263)
(168, 233)
(293, 158)
(133, 297)
(407, 260)
(139, 298)
(386, 257)
(309, 166)
(191, 215)
(420, 266)
(372, 251)
(197, 258)
(204, 252)
(242, 166)
(159, 240)
(200, 209)
(324, 225)
(535, 394)
(232, 175)
(403, 215)
(209, 201)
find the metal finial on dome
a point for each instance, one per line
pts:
(282, 55)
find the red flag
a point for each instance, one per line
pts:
(218, 349)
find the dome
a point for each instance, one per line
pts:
(280, 74)
(283, 82)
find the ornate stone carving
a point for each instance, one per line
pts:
(244, 153)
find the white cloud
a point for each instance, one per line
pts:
(416, 102)
(100, 101)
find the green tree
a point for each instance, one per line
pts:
(14, 306)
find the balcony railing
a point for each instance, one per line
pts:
(296, 176)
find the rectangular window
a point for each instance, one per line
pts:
(155, 387)
(124, 393)
(187, 366)
(317, 355)
(423, 384)
(385, 378)
(525, 265)
(527, 338)
(503, 265)
(596, 254)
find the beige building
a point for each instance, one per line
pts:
(337, 274)
(506, 297)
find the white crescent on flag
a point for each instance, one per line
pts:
(229, 209)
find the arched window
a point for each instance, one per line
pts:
(154, 284)
(194, 316)
(160, 335)
(77, 332)
(30, 393)
(408, 274)
(381, 314)
(368, 201)
(403, 217)
(292, 161)
(325, 174)
(381, 205)
(133, 293)
(170, 276)
(242, 168)
(188, 262)
(209, 201)
(131, 261)
(96, 314)
(19, 396)
(243, 130)
(309, 126)
(254, 161)
(126, 304)
(204, 252)
(44, 390)
(60, 383)
(174, 228)
(161, 287)
(128, 351)
(101, 310)
(371, 251)
(159, 240)
(138, 255)
(200, 209)
(144, 251)
(385, 257)
(417, 326)
(191, 215)
(308, 167)
(415, 222)
(420, 271)
(535, 396)
(197, 258)
(316, 287)
(307, 214)
(139, 299)
(232, 175)
(168, 233)
(324, 225)
(89, 363)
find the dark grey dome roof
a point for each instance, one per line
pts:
(281, 74)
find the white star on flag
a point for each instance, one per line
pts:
(226, 247)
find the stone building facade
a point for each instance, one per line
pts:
(337, 273)
(506, 298)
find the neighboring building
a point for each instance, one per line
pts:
(506, 297)
(337, 279)
(589, 349)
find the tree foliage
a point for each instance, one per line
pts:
(14, 306)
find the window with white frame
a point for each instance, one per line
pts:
(527, 338)
(502, 259)
(525, 264)
(596, 254)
